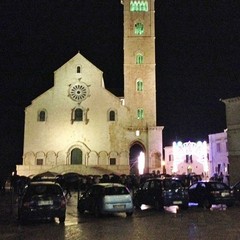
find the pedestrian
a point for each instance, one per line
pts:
(67, 190)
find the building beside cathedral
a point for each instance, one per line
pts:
(200, 158)
(78, 125)
(232, 106)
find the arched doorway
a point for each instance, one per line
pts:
(76, 156)
(135, 150)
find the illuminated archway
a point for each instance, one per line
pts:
(135, 149)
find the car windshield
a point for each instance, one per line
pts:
(116, 191)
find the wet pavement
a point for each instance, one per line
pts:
(219, 223)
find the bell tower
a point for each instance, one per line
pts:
(139, 62)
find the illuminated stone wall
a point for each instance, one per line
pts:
(104, 145)
(185, 158)
(233, 132)
(218, 153)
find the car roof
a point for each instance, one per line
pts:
(43, 183)
(164, 178)
(210, 182)
(109, 185)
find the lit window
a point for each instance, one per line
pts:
(138, 29)
(139, 85)
(139, 6)
(140, 113)
(139, 58)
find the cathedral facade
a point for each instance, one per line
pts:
(80, 126)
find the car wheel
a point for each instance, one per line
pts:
(80, 209)
(62, 219)
(97, 212)
(20, 218)
(129, 214)
(184, 206)
(137, 204)
(158, 205)
(207, 204)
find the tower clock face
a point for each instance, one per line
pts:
(78, 92)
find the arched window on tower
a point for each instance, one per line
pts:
(139, 6)
(78, 69)
(132, 6)
(145, 6)
(140, 113)
(139, 85)
(139, 58)
(139, 29)
(78, 114)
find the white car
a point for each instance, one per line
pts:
(105, 198)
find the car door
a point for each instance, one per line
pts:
(143, 193)
(88, 199)
(193, 193)
(156, 189)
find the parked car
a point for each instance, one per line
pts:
(236, 191)
(208, 193)
(104, 198)
(42, 200)
(158, 192)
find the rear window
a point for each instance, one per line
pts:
(218, 186)
(44, 189)
(116, 191)
(171, 184)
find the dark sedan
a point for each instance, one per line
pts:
(158, 192)
(42, 200)
(208, 193)
(236, 191)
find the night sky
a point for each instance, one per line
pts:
(197, 56)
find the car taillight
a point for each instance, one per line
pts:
(26, 204)
(215, 193)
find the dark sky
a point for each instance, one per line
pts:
(197, 56)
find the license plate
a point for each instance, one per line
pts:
(119, 206)
(224, 194)
(177, 202)
(45, 202)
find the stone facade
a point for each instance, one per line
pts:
(233, 131)
(218, 154)
(78, 125)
